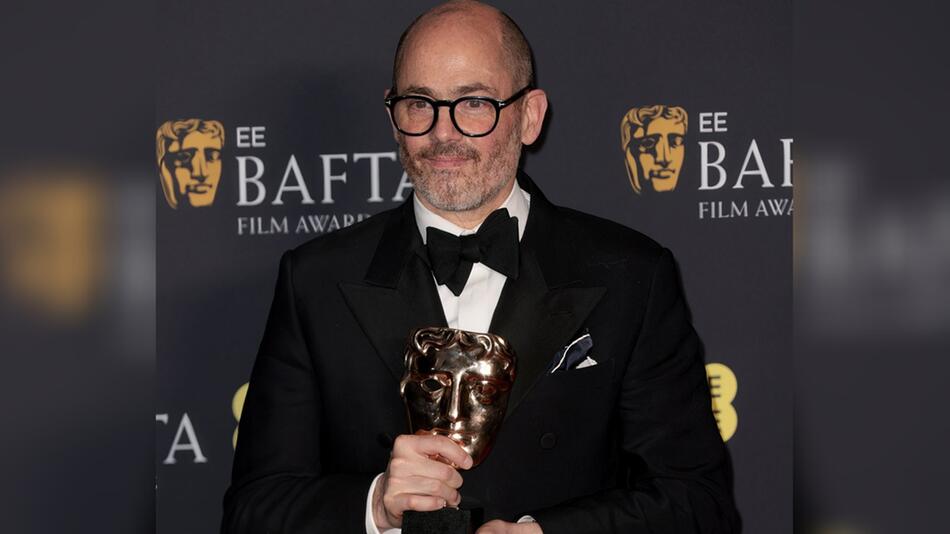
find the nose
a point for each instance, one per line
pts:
(444, 129)
(455, 403)
(199, 167)
(663, 152)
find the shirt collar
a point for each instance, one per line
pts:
(518, 203)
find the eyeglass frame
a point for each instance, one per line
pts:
(451, 104)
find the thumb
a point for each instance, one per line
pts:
(492, 527)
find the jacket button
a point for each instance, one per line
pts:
(548, 440)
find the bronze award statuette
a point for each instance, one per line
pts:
(456, 384)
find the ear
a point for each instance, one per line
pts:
(532, 115)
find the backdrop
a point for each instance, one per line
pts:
(278, 108)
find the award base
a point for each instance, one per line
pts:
(444, 521)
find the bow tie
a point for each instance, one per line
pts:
(495, 245)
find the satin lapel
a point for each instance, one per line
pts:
(540, 310)
(397, 294)
(538, 322)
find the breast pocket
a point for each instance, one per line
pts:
(573, 410)
(572, 393)
(594, 377)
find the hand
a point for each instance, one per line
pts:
(503, 527)
(420, 476)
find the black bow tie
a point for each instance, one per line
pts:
(495, 244)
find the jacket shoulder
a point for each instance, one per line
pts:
(605, 239)
(345, 249)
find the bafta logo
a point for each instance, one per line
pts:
(652, 140)
(189, 161)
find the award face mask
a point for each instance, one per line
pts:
(456, 384)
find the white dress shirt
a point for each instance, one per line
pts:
(472, 310)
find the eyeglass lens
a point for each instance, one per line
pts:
(417, 115)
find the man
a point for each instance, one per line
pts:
(626, 445)
(189, 156)
(652, 141)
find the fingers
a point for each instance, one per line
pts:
(426, 468)
(420, 503)
(418, 477)
(498, 526)
(402, 488)
(429, 445)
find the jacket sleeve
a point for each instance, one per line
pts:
(278, 483)
(677, 477)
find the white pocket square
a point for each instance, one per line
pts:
(588, 362)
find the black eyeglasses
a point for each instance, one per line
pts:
(474, 116)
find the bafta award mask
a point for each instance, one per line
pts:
(456, 384)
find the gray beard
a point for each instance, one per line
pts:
(448, 191)
(459, 201)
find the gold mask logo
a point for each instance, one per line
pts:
(652, 138)
(189, 161)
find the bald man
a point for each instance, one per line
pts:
(617, 438)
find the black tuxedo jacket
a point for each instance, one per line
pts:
(628, 445)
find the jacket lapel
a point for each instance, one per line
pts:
(398, 293)
(537, 312)
(538, 321)
(540, 310)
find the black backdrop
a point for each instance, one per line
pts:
(312, 74)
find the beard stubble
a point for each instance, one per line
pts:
(467, 188)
